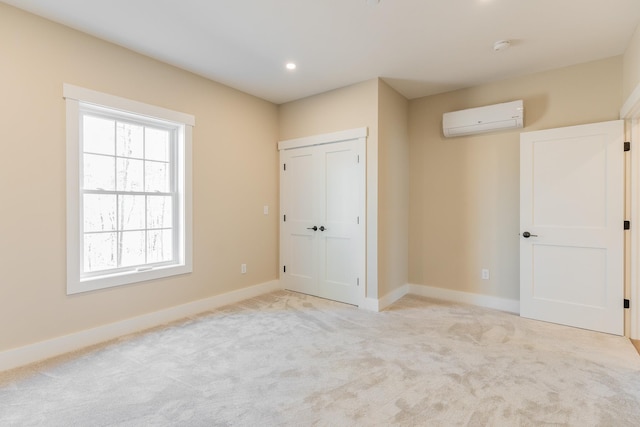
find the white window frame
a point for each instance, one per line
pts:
(77, 98)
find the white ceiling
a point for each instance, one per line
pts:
(420, 47)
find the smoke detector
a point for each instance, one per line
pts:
(501, 45)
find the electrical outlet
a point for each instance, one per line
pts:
(243, 268)
(265, 209)
(485, 274)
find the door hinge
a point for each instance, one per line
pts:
(627, 146)
(284, 268)
(358, 281)
(627, 225)
(358, 158)
(284, 166)
(358, 220)
(626, 303)
(284, 218)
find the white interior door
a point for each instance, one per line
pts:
(571, 226)
(339, 232)
(299, 203)
(322, 234)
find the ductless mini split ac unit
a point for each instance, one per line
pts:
(508, 115)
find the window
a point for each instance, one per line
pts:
(128, 191)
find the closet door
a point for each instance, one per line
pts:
(322, 234)
(299, 205)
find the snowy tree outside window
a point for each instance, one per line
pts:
(127, 194)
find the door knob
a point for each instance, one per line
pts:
(526, 235)
(322, 228)
(314, 228)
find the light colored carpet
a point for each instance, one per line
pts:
(295, 360)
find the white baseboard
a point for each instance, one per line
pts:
(393, 296)
(497, 303)
(21, 356)
(375, 304)
(371, 304)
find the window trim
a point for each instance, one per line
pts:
(76, 283)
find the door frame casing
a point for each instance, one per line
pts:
(367, 246)
(630, 113)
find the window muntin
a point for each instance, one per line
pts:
(129, 192)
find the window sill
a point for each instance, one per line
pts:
(125, 278)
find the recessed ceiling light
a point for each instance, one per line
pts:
(372, 3)
(291, 66)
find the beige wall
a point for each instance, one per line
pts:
(393, 189)
(631, 66)
(234, 174)
(345, 108)
(464, 192)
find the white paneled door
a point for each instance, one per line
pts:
(571, 226)
(322, 224)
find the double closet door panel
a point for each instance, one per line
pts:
(299, 205)
(322, 229)
(339, 213)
